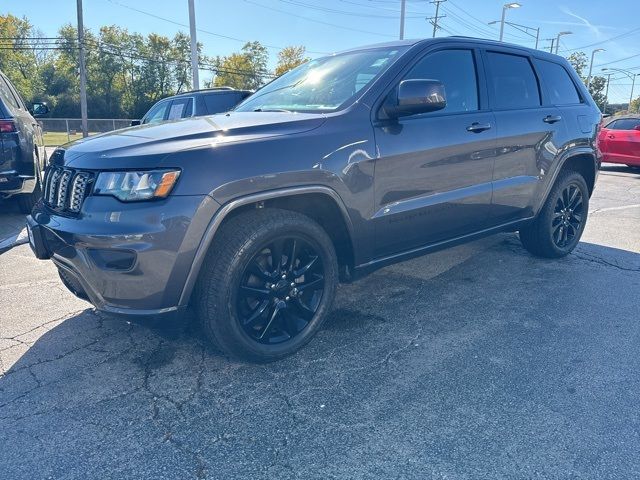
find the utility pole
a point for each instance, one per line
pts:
(83, 72)
(194, 46)
(403, 5)
(434, 20)
(552, 43)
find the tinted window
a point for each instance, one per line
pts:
(180, 108)
(624, 124)
(157, 113)
(221, 102)
(456, 69)
(562, 90)
(7, 96)
(512, 82)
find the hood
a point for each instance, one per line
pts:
(150, 143)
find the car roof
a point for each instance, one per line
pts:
(458, 39)
(208, 91)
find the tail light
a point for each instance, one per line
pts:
(7, 126)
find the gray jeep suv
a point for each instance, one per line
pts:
(343, 165)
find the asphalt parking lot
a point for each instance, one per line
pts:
(477, 362)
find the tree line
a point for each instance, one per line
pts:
(126, 72)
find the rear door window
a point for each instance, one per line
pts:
(180, 108)
(512, 82)
(456, 70)
(562, 90)
(624, 124)
(218, 103)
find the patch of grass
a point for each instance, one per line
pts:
(53, 139)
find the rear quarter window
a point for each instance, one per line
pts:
(512, 82)
(6, 94)
(218, 103)
(562, 90)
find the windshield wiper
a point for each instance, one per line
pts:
(272, 110)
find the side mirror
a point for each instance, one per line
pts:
(39, 109)
(135, 123)
(637, 127)
(418, 96)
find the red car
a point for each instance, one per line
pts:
(619, 141)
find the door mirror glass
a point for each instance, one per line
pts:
(418, 96)
(39, 109)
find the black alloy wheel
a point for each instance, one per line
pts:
(567, 216)
(280, 290)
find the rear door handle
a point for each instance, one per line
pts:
(552, 118)
(611, 136)
(476, 127)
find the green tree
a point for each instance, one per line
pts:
(245, 70)
(289, 58)
(19, 59)
(580, 63)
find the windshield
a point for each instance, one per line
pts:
(321, 85)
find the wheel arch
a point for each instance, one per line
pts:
(320, 203)
(582, 160)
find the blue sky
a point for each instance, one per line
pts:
(332, 25)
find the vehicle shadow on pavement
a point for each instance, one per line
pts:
(498, 365)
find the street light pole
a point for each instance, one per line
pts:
(505, 7)
(606, 94)
(591, 65)
(83, 72)
(194, 46)
(403, 5)
(558, 39)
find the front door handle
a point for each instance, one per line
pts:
(552, 118)
(476, 127)
(611, 136)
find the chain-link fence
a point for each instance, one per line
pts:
(58, 131)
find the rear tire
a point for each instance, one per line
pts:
(558, 227)
(253, 301)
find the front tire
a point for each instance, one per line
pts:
(267, 284)
(558, 227)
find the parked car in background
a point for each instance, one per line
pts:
(337, 168)
(22, 154)
(619, 140)
(194, 104)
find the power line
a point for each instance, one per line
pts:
(318, 21)
(342, 12)
(227, 37)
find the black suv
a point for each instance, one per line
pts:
(341, 166)
(194, 104)
(22, 153)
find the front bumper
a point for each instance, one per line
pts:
(125, 258)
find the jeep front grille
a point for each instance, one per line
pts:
(65, 189)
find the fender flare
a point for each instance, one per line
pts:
(228, 207)
(566, 156)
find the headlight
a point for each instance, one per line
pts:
(132, 186)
